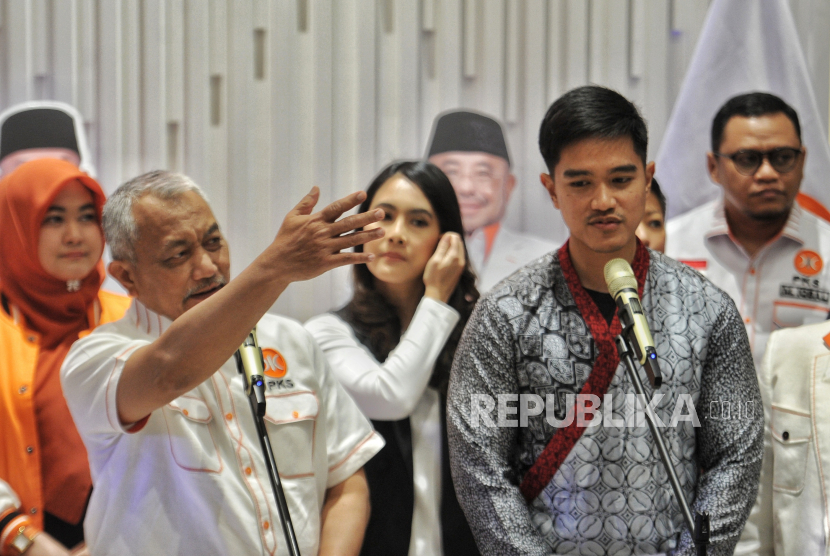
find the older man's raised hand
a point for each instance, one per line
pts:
(309, 244)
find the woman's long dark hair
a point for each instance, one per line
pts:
(374, 319)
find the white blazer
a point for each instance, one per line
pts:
(511, 251)
(790, 516)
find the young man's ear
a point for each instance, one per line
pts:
(547, 183)
(124, 273)
(650, 169)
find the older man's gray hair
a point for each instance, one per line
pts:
(120, 229)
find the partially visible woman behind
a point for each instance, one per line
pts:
(652, 228)
(392, 346)
(50, 278)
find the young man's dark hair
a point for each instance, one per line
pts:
(751, 105)
(590, 112)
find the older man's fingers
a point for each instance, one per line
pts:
(333, 211)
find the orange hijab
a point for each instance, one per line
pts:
(56, 314)
(45, 302)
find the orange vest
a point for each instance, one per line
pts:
(19, 444)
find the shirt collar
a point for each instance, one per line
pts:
(146, 320)
(792, 229)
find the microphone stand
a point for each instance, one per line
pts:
(699, 525)
(249, 361)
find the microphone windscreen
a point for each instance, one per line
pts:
(619, 276)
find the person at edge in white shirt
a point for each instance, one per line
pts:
(176, 463)
(392, 347)
(471, 150)
(755, 242)
(791, 516)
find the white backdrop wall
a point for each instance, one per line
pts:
(258, 100)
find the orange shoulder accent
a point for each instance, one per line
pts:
(811, 205)
(113, 305)
(490, 233)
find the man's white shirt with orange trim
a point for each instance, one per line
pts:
(786, 283)
(192, 479)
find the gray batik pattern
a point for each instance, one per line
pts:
(612, 495)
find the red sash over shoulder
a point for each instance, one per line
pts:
(564, 439)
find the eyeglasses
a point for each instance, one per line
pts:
(747, 161)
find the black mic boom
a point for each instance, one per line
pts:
(622, 285)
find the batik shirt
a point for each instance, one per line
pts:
(539, 336)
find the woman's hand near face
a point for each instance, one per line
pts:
(445, 267)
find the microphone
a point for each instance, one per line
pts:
(622, 285)
(249, 362)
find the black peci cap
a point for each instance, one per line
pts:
(38, 128)
(467, 131)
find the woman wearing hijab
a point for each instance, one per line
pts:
(391, 348)
(50, 278)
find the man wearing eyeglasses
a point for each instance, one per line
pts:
(755, 242)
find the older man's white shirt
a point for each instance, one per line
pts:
(192, 478)
(510, 252)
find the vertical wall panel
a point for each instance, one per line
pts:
(65, 50)
(196, 98)
(217, 85)
(153, 79)
(18, 51)
(389, 84)
(486, 92)
(651, 92)
(636, 46)
(40, 42)
(85, 95)
(409, 93)
(598, 30)
(616, 44)
(132, 115)
(530, 195)
(441, 73)
(512, 71)
(3, 48)
(174, 81)
(555, 63)
(110, 87)
(577, 19)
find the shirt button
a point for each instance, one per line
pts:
(29, 449)
(785, 435)
(184, 412)
(32, 339)
(752, 271)
(266, 525)
(228, 416)
(23, 389)
(747, 320)
(33, 511)
(296, 414)
(247, 470)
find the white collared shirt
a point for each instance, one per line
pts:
(193, 480)
(786, 283)
(510, 252)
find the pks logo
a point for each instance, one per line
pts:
(808, 262)
(275, 365)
